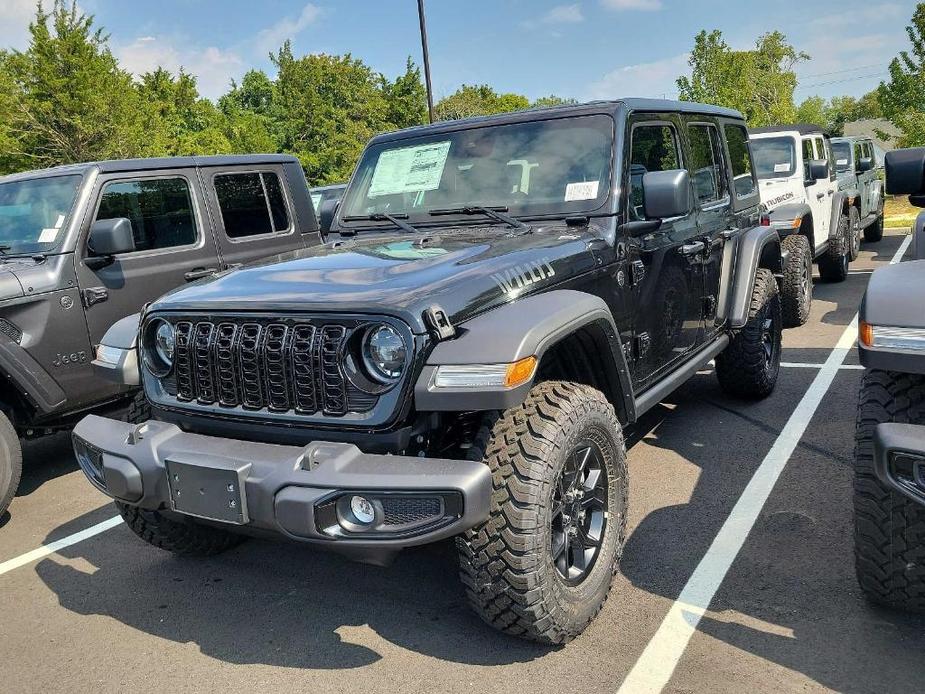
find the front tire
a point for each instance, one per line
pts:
(543, 563)
(749, 365)
(833, 265)
(889, 528)
(10, 462)
(797, 284)
(854, 232)
(184, 537)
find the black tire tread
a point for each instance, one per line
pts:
(185, 538)
(889, 528)
(854, 227)
(502, 561)
(874, 232)
(794, 305)
(11, 459)
(831, 267)
(139, 409)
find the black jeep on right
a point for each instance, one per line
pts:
(889, 487)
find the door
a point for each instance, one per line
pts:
(870, 193)
(665, 265)
(172, 244)
(252, 213)
(817, 194)
(715, 221)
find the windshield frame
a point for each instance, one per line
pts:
(56, 246)
(423, 219)
(755, 143)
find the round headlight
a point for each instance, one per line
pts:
(159, 347)
(164, 342)
(384, 353)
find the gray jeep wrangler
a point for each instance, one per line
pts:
(889, 486)
(86, 245)
(499, 298)
(859, 177)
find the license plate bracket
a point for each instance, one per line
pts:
(210, 488)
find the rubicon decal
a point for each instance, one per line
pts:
(774, 202)
(516, 278)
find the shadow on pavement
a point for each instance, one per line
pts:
(281, 604)
(45, 459)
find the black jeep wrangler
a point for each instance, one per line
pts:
(86, 245)
(501, 298)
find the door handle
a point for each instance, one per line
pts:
(199, 272)
(819, 196)
(692, 248)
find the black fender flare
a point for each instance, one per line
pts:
(838, 207)
(756, 248)
(782, 218)
(519, 329)
(28, 376)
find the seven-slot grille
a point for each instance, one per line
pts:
(264, 365)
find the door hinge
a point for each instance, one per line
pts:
(94, 295)
(637, 271)
(642, 345)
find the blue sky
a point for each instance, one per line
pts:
(585, 49)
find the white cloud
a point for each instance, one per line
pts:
(620, 5)
(213, 67)
(564, 14)
(655, 79)
(274, 36)
(15, 16)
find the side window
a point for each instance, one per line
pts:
(653, 148)
(160, 209)
(868, 151)
(808, 155)
(740, 160)
(820, 150)
(707, 169)
(251, 204)
(858, 154)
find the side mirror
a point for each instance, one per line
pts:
(667, 193)
(818, 169)
(865, 165)
(905, 171)
(327, 210)
(109, 237)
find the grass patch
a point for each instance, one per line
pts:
(898, 213)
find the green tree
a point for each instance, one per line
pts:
(902, 99)
(406, 98)
(813, 110)
(478, 100)
(759, 82)
(552, 100)
(66, 99)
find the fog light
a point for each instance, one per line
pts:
(363, 510)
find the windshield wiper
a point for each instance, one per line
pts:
(396, 219)
(4, 248)
(496, 213)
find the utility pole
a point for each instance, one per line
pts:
(430, 93)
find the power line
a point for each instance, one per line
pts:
(841, 81)
(839, 72)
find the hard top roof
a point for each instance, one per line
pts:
(852, 138)
(156, 163)
(592, 107)
(802, 128)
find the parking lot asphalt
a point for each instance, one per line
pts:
(110, 613)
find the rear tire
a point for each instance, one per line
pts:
(543, 563)
(889, 528)
(833, 264)
(854, 232)
(797, 284)
(184, 537)
(749, 365)
(874, 232)
(10, 462)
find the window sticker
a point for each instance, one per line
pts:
(409, 169)
(781, 168)
(585, 190)
(841, 162)
(49, 234)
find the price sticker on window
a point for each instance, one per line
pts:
(584, 190)
(409, 169)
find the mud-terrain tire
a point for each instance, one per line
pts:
(833, 264)
(854, 232)
(10, 462)
(139, 409)
(509, 564)
(749, 365)
(184, 537)
(874, 232)
(797, 285)
(889, 528)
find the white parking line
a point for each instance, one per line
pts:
(57, 545)
(802, 365)
(658, 661)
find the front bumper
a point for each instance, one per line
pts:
(899, 458)
(302, 492)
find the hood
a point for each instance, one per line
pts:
(21, 276)
(781, 191)
(463, 270)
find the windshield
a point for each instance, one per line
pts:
(544, 167)
(33, 212)
(842, 153)
(775, 157)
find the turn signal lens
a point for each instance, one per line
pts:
(520, 372)
(866, 334)
(797, 221)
